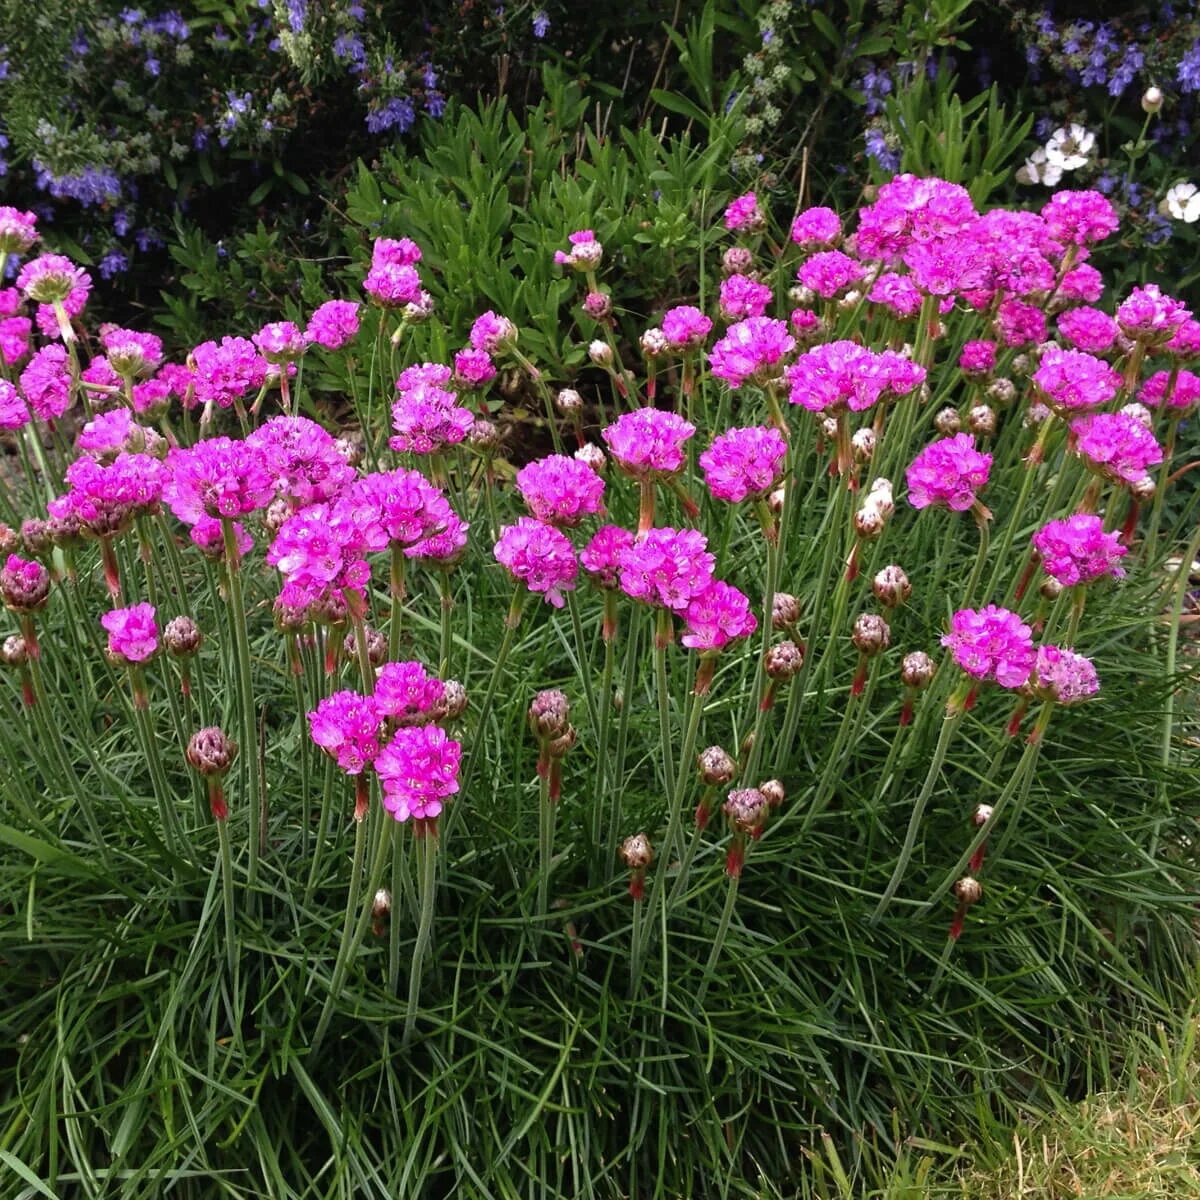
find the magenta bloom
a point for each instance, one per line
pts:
(107, 433)
(398, 508)
(585, 253)
(742, 296)
(14, 339)
(473, 369)
(346, 726)
(836, 375)
(280, 342)
(685, 327)
(1083, 282)
(897, 292)
(226, 372)
(540, 557)
(442, 548)
(319, 551)
(392, 284)
(1150, 315)
(395, 252)
(1184, 394)
(561, 491)
(978, 358)
(132, 633)
(492, 332)
(1080, 217)
(600, 558)
(668, 567)
(418, 769)
(744, 213)
(51, 277)
(830, 274)
(14, 412)
(333, 324)
(1116, 445)
(1063, 676)
(18, 230)
(130, 352)
(716, 616)
(219, 477)
(909, 209)
(648, 442)
(406, 694)
(46, 382)
(750, 350)
(24, 584)
(1088, 329)
(105, 498)
(816, 227)
(1018, 323)
(991, 644)
(302, 458)
(744, 462)
(1077, 550)
(948, 473)
(1072, 381)
(428, 420)
(1184, 343)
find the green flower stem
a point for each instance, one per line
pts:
(1016, 515)
(540, 383)
(761, 682)
(226, 868)
(318, 854)
(169, 818)
(397, 610)
(983, 521)
(447, 606)
(628, 680)
(637, 944)
(834, 763)
(585, 659)
(718, 944)
(1164, 472)
(249, 755)
(663, 696)
(425, 843)
(401, 888)
(362, 653)
(545, 847)
(602, 739)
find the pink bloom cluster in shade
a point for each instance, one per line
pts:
(585, 253)
(443, 548)
(741, 296)
(743, 463)
(948, 473)
(1078, 550)
(407, 694)
(1082, 283)
(1019, 324)
(751, 350)
(561, 491)
(302, 458)
(398, 508)
(473, 369)
(897, 293)
(24, 584)
(426, 416)
(1183, 393)
(685, 327)
(1116, 445)
(492, 332)
(132, 632)
(14, 339)
(716, 616)
(816, 227)
(418, 770)
(131, 352)
(46, 382)
(668, 568)
(226, 371)
(1148, 314)
(649, 442)
(841, 375)
(107, 433)
(393, 280)
(18, 230)
(51, 277)
(830, 274)
(219, 477)
(993, 644)
(333, 324)
(744, 213)
(600, 558)
(14, 412)
(346, 725)
(978, 358)
(1063, 676)
(1073, 380)
(1081, 218)
(105, 497)
(280, 342)
(910, 209)
(540, 557)
(1184, 342)
(319, 551)
(1088, 329)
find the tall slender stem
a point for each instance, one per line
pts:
(426, 847)
(719, 937)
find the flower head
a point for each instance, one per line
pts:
(46, 382)
(561, 491)
(743, 463)
(226, 371)
(218, 477)
(744, 213)
(649, 442)
(17, 230)
(1149, 315)
(1183, 393)
(830, 274)
(668, 568)
(1078, 550)
(418, 770)
(1083, 218)
(815, 228)
(585, 253)
(716, 616)
(685, 327)
(407, 694)
(24, 584)
(1088, 329)
(333, 324)
(492, 332)
(1063, 676)
(14, 412)
(1116, 445)
(991, 643)
(539, 556)
(741, 296)
(132, 633)
(751, 351)
(302, 458)
(948, 473)
(1072, 380)
(473, 369)
(600, 557)
(346, 725)
(319, 550)
(280, 342)
(50, 278)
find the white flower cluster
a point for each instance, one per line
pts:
(1182, 202)
(1066, 149)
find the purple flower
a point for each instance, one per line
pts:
(346, 725)
(1072, 380)
(1116, 446)
(418, 770)
(219, 477)
(600, 558)
(1088, 329)
(991, 643)
(948, 473)
(539, 556)
(1077, 550)
(648, 442)
(407, 694)
(560, 491)
(743, 463)
(744, 213)
(751, 351)
(668, 567)
(1063, 676)
(742, 297)
(685, 327)
(830, 274)
(225, 372)
(815, 228)
(46, 382)
(132, 633)
(716, 616)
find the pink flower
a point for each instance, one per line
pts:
(1079, 217)
(1018, 323)
(1149, 315)
(17, 230)
(14, 339)
(302, 458)
(418, 769)
(346, 725)
(129, 352)
(1184, 343)
(393, 252)
(1083, 282)
(492, 332)
(10, 300)
(406, 694)
(1116, 445)
(744, 213)
(978, 358)
(24, 584)
(51, 277)
(46, 382)
(806, 325)
(132, 633)
(426, 417)
(600, 558)
(816, 227)
(585, 253)
(539, 556)
(1077, 550)
(1063, 676)
(1071, 380)
(560, 490)
(14, 413)
(830, 274)
(944, 266)
(219, 477)
(1184, 392)
(744, 462)
(319, 550)
(668, 567)
(208, 536)
(107, 433)
(151, 398)
(280, 342)
(473, 369)
(750, 350)
(1088, 329)
(100, 371)
(897, 292)
(224, 373)
(834, 375)
(909, 209)
(948, 473)
(393, 285)
(715, 616)
(181, 383)
(648, 442)
(442, 548)
(105, 498)
(398, 508)
(685, 327)
(742, 296)
(333, 324)
(991, 643)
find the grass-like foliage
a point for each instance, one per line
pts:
(932, 897)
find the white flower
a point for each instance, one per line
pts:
(1069, 148)
(1182, 202)
(1038, 169)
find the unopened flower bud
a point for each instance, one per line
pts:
(453, 703)
(785, 610)
(1140, 413)
(65, 532)
(863, 444)
(568, 400)
(35, 534)
(868, 523)
(870, 634)
(891, 586)
(799, 294)
(549, 714)
(377, 646)
(557, 747)
(1152, 99)
(182, 637)
(420, 310)
(9, 539)
(783, 660)
(881, 496)
(593, 456)
(746, 810)
(1022, 364)
(947, 422)
(350, 447)
(1050, 589)
(600, 353)
(776, 501)
(1002, 392)
(483, 435)
(598, 305)
(716, 767)
(983, 814)
(774, 792)
(917, 670)
(968, 890)
(737, 260)
(829, 427)
(276, 513)
(849, 302)
(1143, 489)
(13, 651)
(981, 420)
(653, 343)
(288, 618)
(24, 585)
(210, 752)
(382, 904)
(637, 852)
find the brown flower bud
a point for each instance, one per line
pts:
(568, 400)
(65, 532)
(557, 747)
(653, 342)
(182, 637)
(288, 618)
(9, 539)
(870, 634)
(891, 586)
(25, 588)
(968, 890)
(598, 305)
(1143, 489)
(600, 353)
(863, 444)
(917, 669)
(453, 703)
(549, 714)
(483, 435)
(737, 260)
(276, 513)
(981, 420)
(773, 791)
(783, 660)
(210, 752)
(13, 652)
(593, 456)
(947, 421)
(36, 536)
(776, 501)
(1002, 392)
(637, 852)
(746, 810)
(785, 610)
(715, 766)
(377, 647)
(1140, 413)
(1050, 589)
(868, 523)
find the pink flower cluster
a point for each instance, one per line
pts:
(1063, 676)
(106, 497)
(393, 280)
(1089, 329)
(909, 209)
(744, 213)
(319, 552)
(132, 633)
(1149, 315)
(741, 296)
(585, 253)
(333, 325)
(685, 327)
(831, 274)
(1116, 446)
(993, 644)
(600, 558)
(302, 458)
(751, 351)
(1073, 381)
(1179, 390)
(346, 725)
(492, 332)
(561, 491)
(648, 442)
(977, 358)
(668, 568)
(716, 616)
(226, 372)
(540, 557)
(18, 230)
(46, 382)
(219, 477)
(1082, 218)
(841, 375)
(1078, 550)
(743, 463)
(815, 228)
(948, 473)
(426, 416)
(407, 694)
(418, 770)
